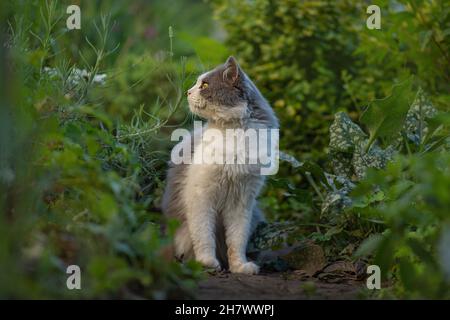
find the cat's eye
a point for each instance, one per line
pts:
(204, 85)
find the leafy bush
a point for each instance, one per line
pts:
(390, 189)
(313, 58)
(296, 52)
(413, 204)
(78, 183)
(414, 39)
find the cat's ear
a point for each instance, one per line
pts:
(231, 73)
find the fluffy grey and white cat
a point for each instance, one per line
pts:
(216, 203)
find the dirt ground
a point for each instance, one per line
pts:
(280, 285)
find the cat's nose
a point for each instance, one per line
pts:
(188, 93)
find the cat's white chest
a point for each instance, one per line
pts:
(219, 152)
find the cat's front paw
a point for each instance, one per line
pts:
(210, 262)
(245, 268)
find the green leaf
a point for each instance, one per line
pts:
(207, 49)
(369, 245)
(98, 114)
(408, 274)
(385, 117)
(425, 37)
(345, 135)
(385, 253)
(421, 252)
(315, 170)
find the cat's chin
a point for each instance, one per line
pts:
(197, 110)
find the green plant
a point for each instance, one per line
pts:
(413, 205)
(296, 51)
(392, 193)
(79, 185)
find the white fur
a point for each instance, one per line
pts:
(208, 195)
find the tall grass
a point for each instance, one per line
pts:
(78, 184)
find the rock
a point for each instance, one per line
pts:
(305, 256)
(270, 247)
(343, 271)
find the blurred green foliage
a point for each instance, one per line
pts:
(296, 52)
(413, 204)
(314, 58)
(400, 189)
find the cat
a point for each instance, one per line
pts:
(216, 204)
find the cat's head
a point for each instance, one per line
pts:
(219, 94)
